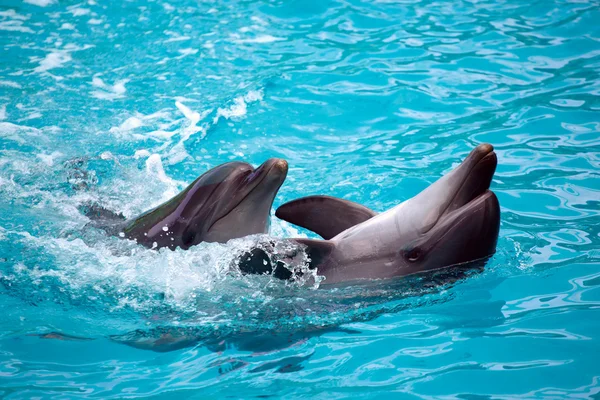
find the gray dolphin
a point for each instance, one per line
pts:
(230, 201)
(453, 221)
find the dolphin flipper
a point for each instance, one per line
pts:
(325, 215)
(102, 218)
(96, 212)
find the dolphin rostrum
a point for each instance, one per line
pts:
(453, 221)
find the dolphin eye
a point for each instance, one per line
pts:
(413, 255)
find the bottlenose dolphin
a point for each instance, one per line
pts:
(230, 201)
(455, 220)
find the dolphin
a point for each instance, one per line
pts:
(230, 201)
(453, 221)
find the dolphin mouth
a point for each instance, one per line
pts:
(277, 165)
(474, 227)
(475, 180)
(459, 187)
(471, 219)
(274, 170)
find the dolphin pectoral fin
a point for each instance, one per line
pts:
(317, 250)
(325, 215)
(102, 218)
(96, 212)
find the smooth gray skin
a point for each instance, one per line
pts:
(230, 201)
(453, 221)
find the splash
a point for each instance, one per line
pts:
(109, 92)
(41, 3)
(239, 107)
(53, 60)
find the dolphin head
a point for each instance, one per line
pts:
(230, 201)
(453, 221)
(456, 219)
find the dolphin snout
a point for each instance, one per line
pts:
(272, 171)
(483, 151)
(276, 166)
(484, 148)
(279, 164)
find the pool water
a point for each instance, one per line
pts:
(123, 103)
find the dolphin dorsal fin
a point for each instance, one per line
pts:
(325, 215)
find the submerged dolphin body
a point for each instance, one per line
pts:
(453, 221)
(229, 201)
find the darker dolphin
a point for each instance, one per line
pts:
(230, 201)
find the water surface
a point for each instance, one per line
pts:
(124, 103)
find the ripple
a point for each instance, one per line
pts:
(124, 103)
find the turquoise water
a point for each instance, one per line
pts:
(123, 103)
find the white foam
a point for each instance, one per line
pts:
(177, 153)
(56, 59)
(11, 84)
(154, 168)
(12, 14)
(107, 155)
(40, 3)
(78, 11)
(119, 87)
(3, 112)
(133, 279)
(188, 51)
(109, 92)
(413, 42)
(33, 115)
(14, 26)
(260, 39)
(129, 124)
(48, 159)
(17, 133)
(254, 95)
(194, 118)
(177, 39)
(67, 26)
(161, 134)
(239, 107)
(259, 20)
(141, 154)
